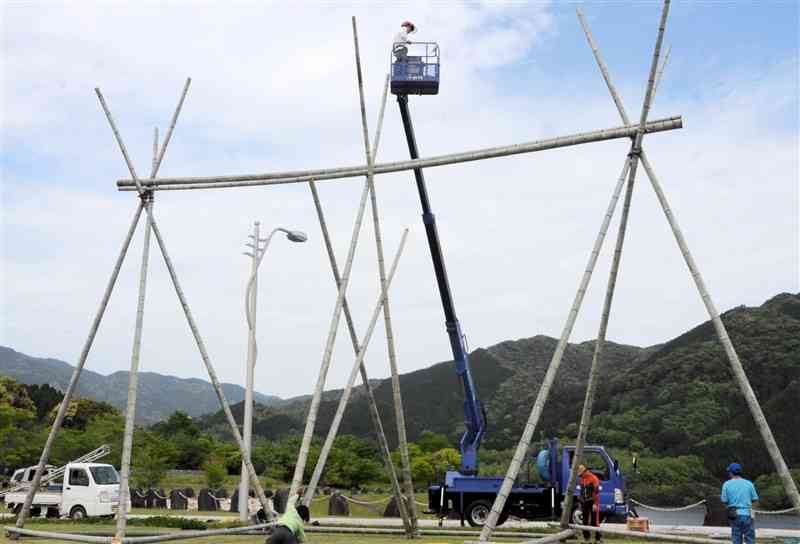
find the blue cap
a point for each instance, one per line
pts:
(735, 468)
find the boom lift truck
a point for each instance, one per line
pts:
(463, 492)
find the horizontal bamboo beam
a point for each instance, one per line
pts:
(540, 539)
(423, 532)
(14, 533)
(300, 176)
(606, 530)
(183, 535)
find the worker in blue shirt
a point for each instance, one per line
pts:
(739, 493)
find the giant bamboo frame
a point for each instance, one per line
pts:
(146, 188)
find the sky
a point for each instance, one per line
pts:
(274, 88)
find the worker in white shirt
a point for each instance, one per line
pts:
(399, 47)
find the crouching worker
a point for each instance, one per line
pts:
(289, 527)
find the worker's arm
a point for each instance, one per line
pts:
(301, 535)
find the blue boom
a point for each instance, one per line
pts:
(474, 417)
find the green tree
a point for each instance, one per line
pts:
(215, 472)
(422, 471)
(18, 437)
(444, 460)
(152, 457)
(81, 411)
(430, 442)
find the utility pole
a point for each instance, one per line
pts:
(258, 247)
(244, 483)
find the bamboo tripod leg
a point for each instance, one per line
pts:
(527, 434)
(736, 365)
(311, 418)
(343, 400)
(555, 362)
(133, 379)
(73, 382)
(739, 374)
(591, 387)
(192, 325)
(211, 373)
(373, 406)
(586, 413)
(387, 316)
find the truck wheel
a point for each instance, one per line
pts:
(577, 515)
(478, 513)
(77, 513)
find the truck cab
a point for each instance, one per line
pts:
(25, 475)
(537, 497)
(87, 490)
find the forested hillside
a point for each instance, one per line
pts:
(158, 395)
(674, 405)
(670, 400)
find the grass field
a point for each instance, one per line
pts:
(107, 529)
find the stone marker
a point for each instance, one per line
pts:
(716, 513)
(205, 502)
(338, 506)
(391, 510)
(178, 500)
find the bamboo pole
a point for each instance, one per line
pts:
(186, 535)
(606, 530)
(302, 176)
(311, 418)
(547, 539)
(213, 375)
(397, 398)
(133, 377)
(348, 389)
(373, 406)
(660, 70)
(15, 532)
(586, 414)
(76, 373)
(383, 443)
(192, 325)
(790, 487)
(555, 362)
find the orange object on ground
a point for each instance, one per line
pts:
(639, 524)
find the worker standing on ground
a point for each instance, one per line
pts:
(739, 494)
(401, 39)
(590, 501)
(289, 527)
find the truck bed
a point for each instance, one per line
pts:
(42, 498)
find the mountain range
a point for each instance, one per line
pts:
(158, 395)
(676, 398)
(673, 399)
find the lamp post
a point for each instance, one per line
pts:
(256, 254)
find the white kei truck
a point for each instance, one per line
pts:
(88, 490)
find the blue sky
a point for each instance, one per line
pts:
(273, 89)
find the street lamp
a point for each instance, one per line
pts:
(251, 293)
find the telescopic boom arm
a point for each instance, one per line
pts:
(474, 417)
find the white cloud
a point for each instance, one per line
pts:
(274, 88)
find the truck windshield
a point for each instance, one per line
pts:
(105, 475)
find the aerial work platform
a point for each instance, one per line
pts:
(415, 70)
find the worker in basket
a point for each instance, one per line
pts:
(590, 501)
(400, 48)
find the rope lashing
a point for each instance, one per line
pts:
(668, 509)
